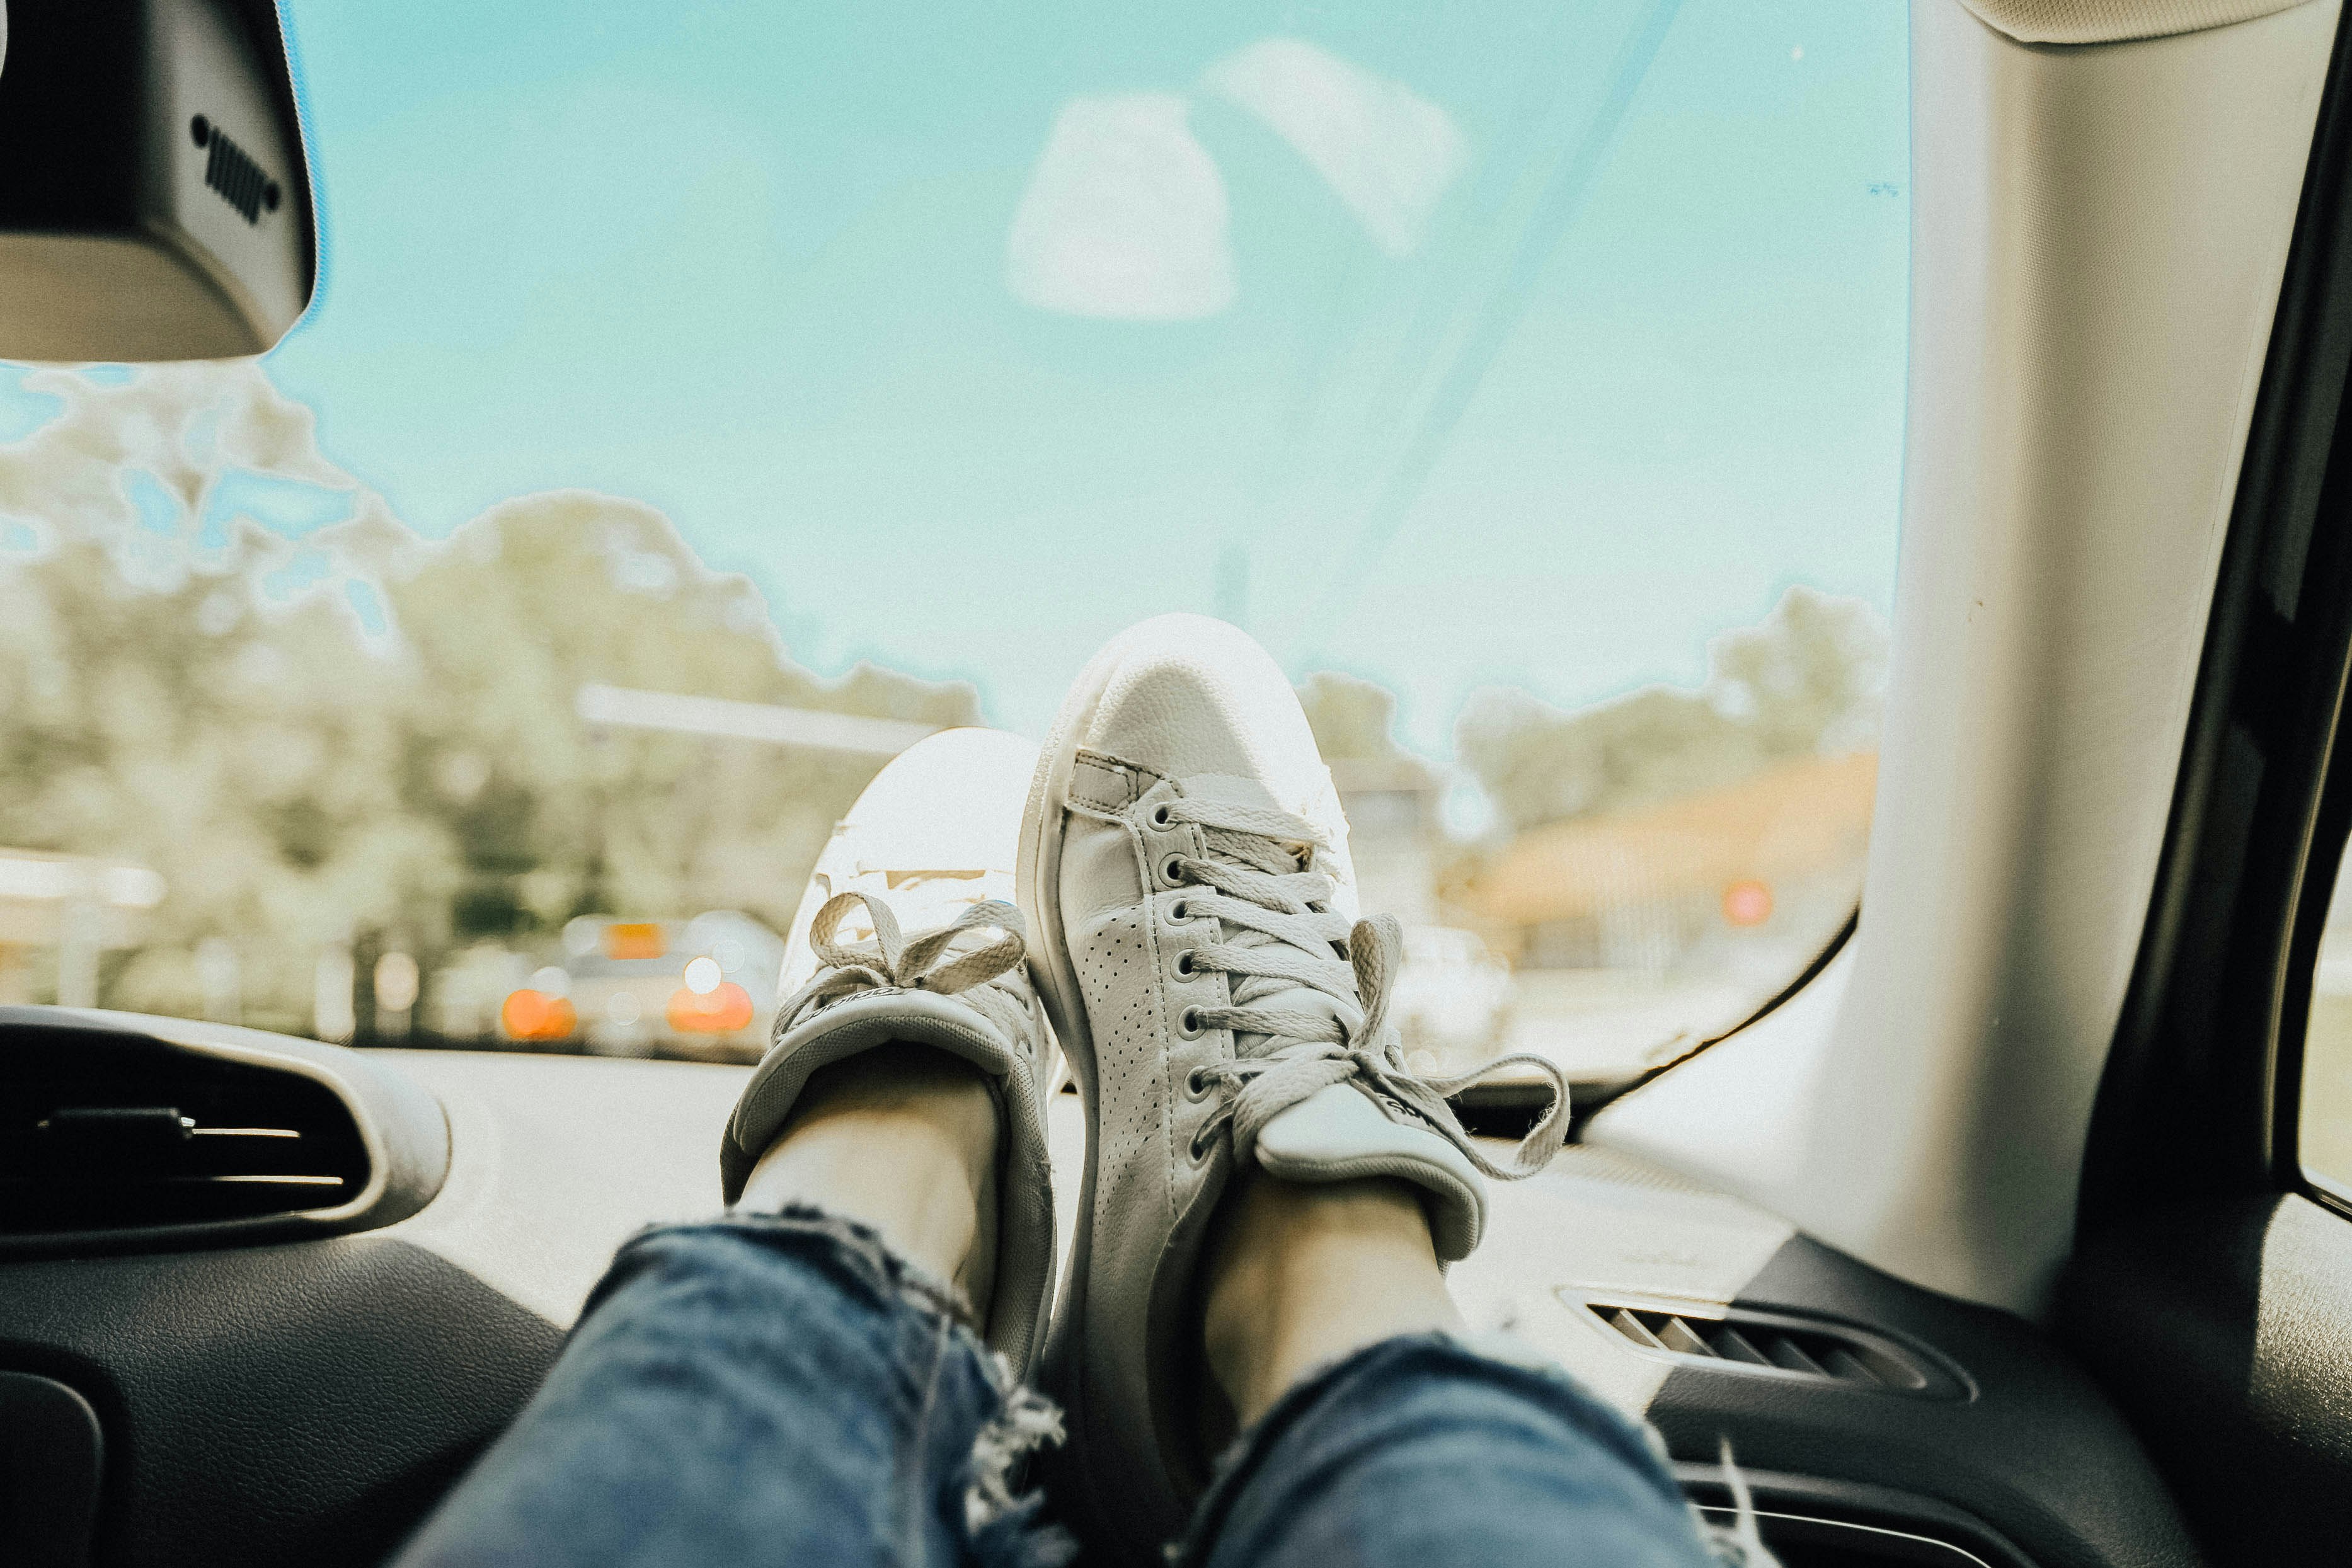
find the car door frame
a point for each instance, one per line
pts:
(2211, 1289)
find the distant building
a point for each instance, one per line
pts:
(1636, 890)
(57, 913)
(1393, 836)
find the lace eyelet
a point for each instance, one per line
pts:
(1179, 912)
(1172, 871)
(1189, 1025)
(1159, 818)
(1196, 1083)
(1184, 964)
(1199, 1148)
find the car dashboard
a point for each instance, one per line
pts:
(255, 1395)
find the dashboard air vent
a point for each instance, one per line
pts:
(92, 1143)
(1772, 1344)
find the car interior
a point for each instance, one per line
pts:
(1991, 1242)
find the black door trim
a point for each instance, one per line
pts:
(2198, 1094)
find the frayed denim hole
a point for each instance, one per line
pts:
(1000, 1518)
(1017, 1539)
(1025, 1422)
(1000, 1522)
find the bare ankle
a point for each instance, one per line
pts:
(901, 1138)
(1300, 1275)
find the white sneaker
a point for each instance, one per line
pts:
(1184, 868)
(930, 845)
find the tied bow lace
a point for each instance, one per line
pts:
(925, 963)
(1258, 875)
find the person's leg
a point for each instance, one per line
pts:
(1257, 1142)
(803, 1380)
(902, 1139)
(795, 1384)
(1298, 1277)
(1376, 1433)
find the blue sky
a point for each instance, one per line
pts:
(1452, 345)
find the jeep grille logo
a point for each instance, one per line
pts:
(232, 172)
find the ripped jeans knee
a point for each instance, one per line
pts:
(967, 1427)
(763, 1389)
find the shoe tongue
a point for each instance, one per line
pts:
(1250, 990)
(1320, 805)
(1235, 790)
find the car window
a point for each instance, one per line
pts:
(701, 402)
(2325, 1134)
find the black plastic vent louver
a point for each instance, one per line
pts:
(91, 1141)
(1773, 1344)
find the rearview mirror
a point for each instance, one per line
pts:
(155, 202)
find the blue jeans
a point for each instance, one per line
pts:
(786, 1390)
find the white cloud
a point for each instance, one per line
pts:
(1387, 151)
(1124, 217)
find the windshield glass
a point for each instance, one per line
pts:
(1527, 376)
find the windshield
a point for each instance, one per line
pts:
(700, 402)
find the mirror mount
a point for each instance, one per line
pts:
(158, 202)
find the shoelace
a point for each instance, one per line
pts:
(1258, 874)
(924, 963)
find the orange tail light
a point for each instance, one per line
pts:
(722, 1011)
(535, 1015)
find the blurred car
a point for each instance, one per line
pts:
(1452, 1003)
(703, 989)
(468, 993)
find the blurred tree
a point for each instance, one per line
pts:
(1805, 681)
(323, 727)
(1353, 720)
